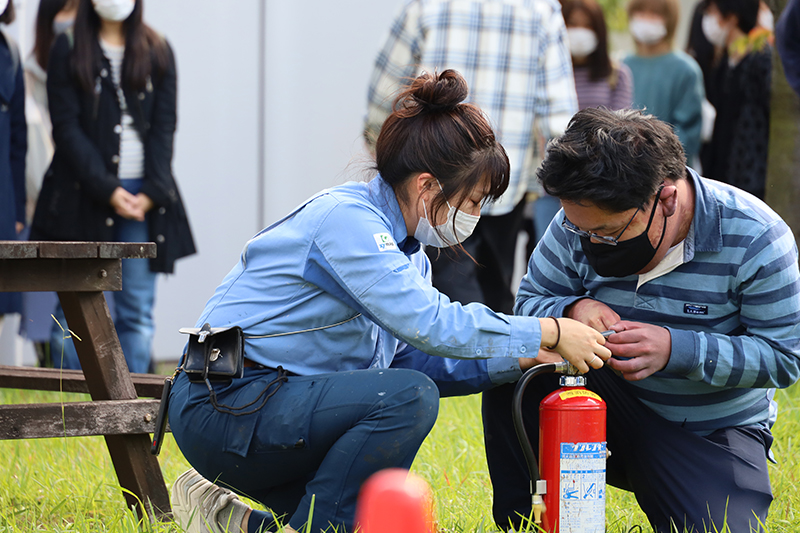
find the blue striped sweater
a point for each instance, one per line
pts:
(732, 308)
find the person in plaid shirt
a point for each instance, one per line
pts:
(514, 56)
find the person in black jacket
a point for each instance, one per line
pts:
(13, 145)
(111, 86)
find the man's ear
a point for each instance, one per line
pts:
(669, 199)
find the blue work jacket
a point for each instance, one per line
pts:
(339, 285)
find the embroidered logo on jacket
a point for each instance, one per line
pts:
(695, 309)
(384, 242)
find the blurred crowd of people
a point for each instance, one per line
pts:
(715, 95)
(89, 118)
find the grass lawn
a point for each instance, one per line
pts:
(69, 484)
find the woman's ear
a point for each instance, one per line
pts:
(424, 181)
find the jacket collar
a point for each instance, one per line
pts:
(707, 222)
(383, 197)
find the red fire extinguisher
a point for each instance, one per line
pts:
(569, 494)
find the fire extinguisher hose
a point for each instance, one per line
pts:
(516, 412)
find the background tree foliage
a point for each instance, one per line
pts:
(783, 164)
(614, 10)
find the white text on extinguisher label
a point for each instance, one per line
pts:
(582, 487)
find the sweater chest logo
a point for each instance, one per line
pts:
(695, 309)
(384, 242)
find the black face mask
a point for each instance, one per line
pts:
(627, 257)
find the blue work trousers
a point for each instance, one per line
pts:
(679, 478)
(318, 438)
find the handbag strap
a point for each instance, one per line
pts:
(282, 378)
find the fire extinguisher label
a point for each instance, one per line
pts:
(582, 487)
(578, 393)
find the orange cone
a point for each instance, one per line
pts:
(395, 501)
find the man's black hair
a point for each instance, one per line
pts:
(613, 159)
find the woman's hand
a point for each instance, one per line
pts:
(579, 344)
(126, 204)
(144, 202)
(543, 357)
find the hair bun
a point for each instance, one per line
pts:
(438, 92)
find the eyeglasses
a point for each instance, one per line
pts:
(604, 239)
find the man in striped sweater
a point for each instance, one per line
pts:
(700, 282)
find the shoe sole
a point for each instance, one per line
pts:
(184, 512)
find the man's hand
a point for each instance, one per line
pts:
(594, 314)
(647, 346)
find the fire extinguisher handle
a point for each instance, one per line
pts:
(516, 412)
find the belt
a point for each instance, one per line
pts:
(249, 363)
(252, 364)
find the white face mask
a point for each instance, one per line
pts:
(114, 10)
(3, 6)
(766, 19)
(443, 236)
(647, 31)
(713, 30)
(582, 41)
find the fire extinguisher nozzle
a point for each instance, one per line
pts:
(538, 509)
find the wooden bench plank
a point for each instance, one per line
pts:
(79, 419)
(67, 250)
(76, 250)
(127, 250)
(18, 250)
(53, 379)
(79, 275)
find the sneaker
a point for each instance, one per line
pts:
(196, 504)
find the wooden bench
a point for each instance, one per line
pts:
(79, 272)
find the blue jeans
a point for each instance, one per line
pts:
(133, 304)
(319, 437)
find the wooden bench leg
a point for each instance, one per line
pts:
(108, 378)
(139, 472)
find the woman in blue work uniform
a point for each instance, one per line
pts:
(338, 294)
